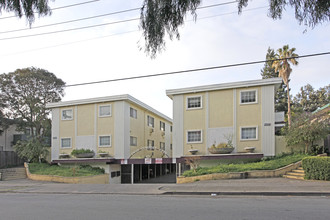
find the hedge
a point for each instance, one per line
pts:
(316, 168)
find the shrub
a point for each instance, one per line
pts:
(75, 152)
(317, 168)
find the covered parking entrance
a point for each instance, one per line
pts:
(148, 170)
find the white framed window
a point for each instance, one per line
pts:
(151, 143)
(249, 133)
(67, 114)
(104, 110)
(194, 136)
(162, 126)
(105, 141)
(133, 112)
(133, 141)
(194, 102)
(151, 121)
(248, 97)
(66, 143)
(162, 145)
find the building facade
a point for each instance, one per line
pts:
(120, 126)
(242, 112)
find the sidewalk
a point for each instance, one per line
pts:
(261, 186)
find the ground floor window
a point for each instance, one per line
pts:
(65, 142)
(249, 133)
(105, 141)
(194, 136)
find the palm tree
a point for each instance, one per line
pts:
(283, 58)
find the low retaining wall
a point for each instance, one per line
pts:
(240, 175)
(98, 179)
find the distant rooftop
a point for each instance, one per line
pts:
(124, 97)
(213, 87)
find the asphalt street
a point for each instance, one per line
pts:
(33, 206)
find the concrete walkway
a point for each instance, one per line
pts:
(262, 186)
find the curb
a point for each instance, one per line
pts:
(251, 193)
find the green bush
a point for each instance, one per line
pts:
(316, 168)
(75, 152)
(68, 171)
(268, 164)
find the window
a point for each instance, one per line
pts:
(133, 141)
(162, 145)
(151, 121)
(194, 136)
(67, 114)
(133, 112)
(194, 102)
(65, 142)
(171, 147)
(249, 133)
(105, 141)
(171, 128)
(151, 143)
(162, 126)
(104, 110)
(249, 96)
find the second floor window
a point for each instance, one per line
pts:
(249, 96)
(194, 102)
(67, 114)
(104, 110)
(162, 126)
(133, 112)
(151, 121)
(133, 141)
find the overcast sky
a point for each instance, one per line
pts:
(218, 37)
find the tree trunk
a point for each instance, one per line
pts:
(289, 105)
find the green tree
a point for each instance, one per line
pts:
(25, 93)
(283, 58)
(159, 17)
(308, 128)
(27, 8)
(309, 100)
(268, 71)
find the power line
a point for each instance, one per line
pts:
(53, 9)
(126, 32)
(102, 15)
(193, 70)
(71, 21)
(91, 26)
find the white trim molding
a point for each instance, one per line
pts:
(249, 139)
(99, 140)
(248, 103)
(99, 110)
(194, 142)
(65, 147)
(67, 119)
(191, 97)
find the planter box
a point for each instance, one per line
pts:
(63, 155)
(103, 154)
(226, 150)
(85, 155)
(193, 151)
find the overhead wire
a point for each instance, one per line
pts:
(126, 32)
(194, 70)
(91, 26)
(53, 9)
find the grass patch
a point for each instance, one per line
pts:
(81, 170)
(267, 164)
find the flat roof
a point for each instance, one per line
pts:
(124, 97)
(222, 86)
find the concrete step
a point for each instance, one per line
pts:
(295, 174)
(13, 173)
(293, 177)
(298, 171)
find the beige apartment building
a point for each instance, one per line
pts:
(207, 115)
(129, 131)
